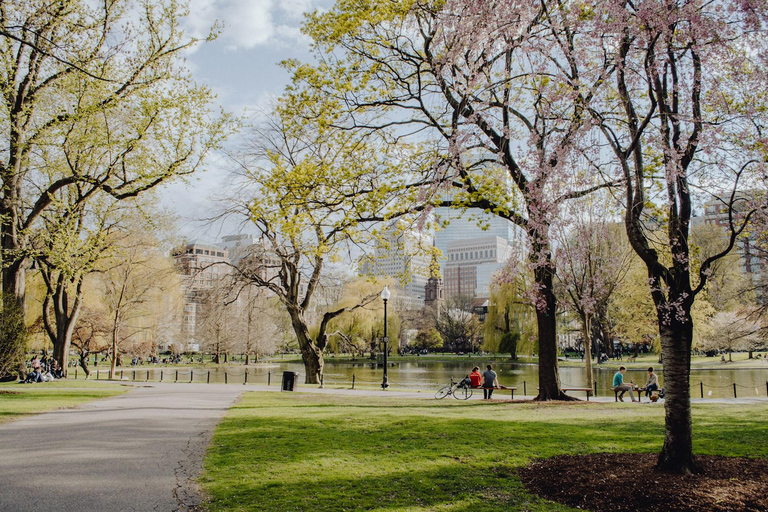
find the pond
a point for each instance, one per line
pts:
(430, 375)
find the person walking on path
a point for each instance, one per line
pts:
(489, 382)
(618, 385)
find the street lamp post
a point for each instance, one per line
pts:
(385, 296)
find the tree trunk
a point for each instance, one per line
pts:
(586, 328)
(313, 363)
(677, 453)
(549, 378)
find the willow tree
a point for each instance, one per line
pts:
(93, 95)
(496, 87)
(684, 118)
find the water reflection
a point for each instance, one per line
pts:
(425, 375)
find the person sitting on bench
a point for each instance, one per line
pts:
(489, 382)
(652, 384)
(618, 385)
(475, 378)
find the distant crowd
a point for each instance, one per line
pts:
(42, 369)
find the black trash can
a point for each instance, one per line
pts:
(289, 380)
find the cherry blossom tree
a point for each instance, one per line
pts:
(684, 120)
(495, 88)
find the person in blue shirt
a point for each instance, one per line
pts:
(618, 385)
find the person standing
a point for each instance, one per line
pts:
(489, 382)
(652, 384)
(618, 385)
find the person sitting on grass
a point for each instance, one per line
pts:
(618, 385)
(475, 378)
(652, 384)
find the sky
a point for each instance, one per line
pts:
(242, 68)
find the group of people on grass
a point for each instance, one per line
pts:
(42, 370)
(486, 380)
(619, 385)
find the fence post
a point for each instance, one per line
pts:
(525, 392)
(177, 376)
(209, 377)
(734, 390)
(595, 388)
(246, 377)
(701, 383)
(133, 377)
(147, 376)
(121, 374)
(225, 376)
(353, 381)
(98, 374)
(161, 375)
(191, 375)
(766, 384)
(269, 378)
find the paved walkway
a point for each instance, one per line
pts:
(141, 451)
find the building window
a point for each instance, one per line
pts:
(198, 251)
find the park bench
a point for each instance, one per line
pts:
(639, 390)
(588, 391)
(505, 388)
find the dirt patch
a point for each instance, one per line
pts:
(629, 482)
(8, 392)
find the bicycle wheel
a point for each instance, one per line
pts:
(462, 393)
(444, 392)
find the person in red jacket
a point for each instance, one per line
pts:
(475, 378)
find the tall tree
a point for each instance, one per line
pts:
(495, 87)
(93, 95)
(685, 116)
(311, 192)
(592, 261)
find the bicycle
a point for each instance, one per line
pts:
(460, 390)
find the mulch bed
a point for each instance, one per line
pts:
(611, 482)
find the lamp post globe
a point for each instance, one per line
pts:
(385, 294)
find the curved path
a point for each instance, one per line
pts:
(136, 452)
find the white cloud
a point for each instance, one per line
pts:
(250, 23)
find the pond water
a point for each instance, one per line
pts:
(429, 375)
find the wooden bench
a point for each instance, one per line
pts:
(638, 390)
(588, 391)
(511, 390)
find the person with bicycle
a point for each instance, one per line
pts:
(475, 378)
(489, 382)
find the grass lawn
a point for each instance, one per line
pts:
(278, 451)
(19, 400)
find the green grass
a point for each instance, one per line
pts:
(319, 452)
(20, 400)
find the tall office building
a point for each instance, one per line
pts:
(471, 264)
(469, 239)
(403, 255)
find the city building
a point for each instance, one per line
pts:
(471, 264)
(197, 263)
(470, 224)
(752, 257)
(403, 254)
